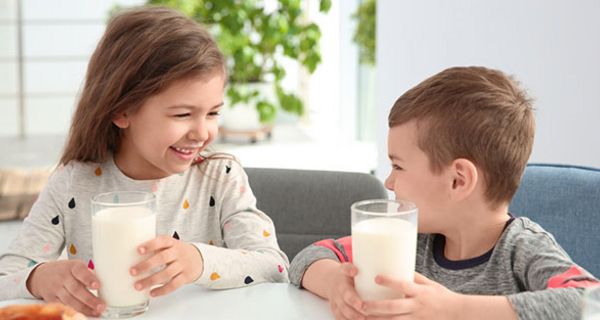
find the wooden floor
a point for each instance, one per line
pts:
(18, 190)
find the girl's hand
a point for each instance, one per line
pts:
(67, 282)
(178, 263)
(424, 299)
(343, 299)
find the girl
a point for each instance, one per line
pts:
(149, 107)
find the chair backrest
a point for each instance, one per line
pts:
(565, 200)
(307, 205)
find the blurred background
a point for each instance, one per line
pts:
(333, 70)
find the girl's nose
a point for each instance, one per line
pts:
(199, 132)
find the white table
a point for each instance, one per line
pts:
(263, 301)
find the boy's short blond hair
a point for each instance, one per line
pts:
(477, 114)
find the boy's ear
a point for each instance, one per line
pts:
(121, 120)
(464, 178)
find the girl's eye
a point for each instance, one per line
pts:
(214, 114)
(182, 115)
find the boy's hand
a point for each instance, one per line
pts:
(424, 299)
(343, 299)
(67, 282)
(178, 262)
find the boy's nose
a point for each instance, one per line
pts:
(389, 183)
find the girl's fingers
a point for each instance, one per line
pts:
(86, 276)
(175, 283)
(161, 277)
(78, 290)
(158, 243)
(67, 298)
(157, 260)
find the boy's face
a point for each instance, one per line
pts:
(412, 179)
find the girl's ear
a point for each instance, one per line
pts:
(121, 120)
(465, 178)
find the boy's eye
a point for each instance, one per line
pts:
(396, 167)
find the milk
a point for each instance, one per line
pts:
(384, 246)
(116, 234)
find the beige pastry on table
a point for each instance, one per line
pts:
(50, 311)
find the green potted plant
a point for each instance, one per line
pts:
(365, 38)
(254, 39)
(364, 35)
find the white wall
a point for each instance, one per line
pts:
(58, 39)
(552, 47)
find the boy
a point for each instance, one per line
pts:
(459, 143)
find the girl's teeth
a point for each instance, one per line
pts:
(183, 150)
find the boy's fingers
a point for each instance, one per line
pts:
(345, 311)
(350, 313)
(388, 307)
(405, 287)
(349, 269)
(352, 300)
(421, 279)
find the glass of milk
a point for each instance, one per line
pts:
(384, 242)
(591, 304)
(121, 221)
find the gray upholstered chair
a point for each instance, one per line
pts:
(307, 206)
(565, 200)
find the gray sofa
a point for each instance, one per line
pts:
(310, 205)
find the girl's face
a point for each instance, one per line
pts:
(170, 129)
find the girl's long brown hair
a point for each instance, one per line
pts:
(142, 52)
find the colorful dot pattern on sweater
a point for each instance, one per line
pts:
(71, 203)
(186, 204)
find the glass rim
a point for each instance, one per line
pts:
(410, 207)
(95, 201)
